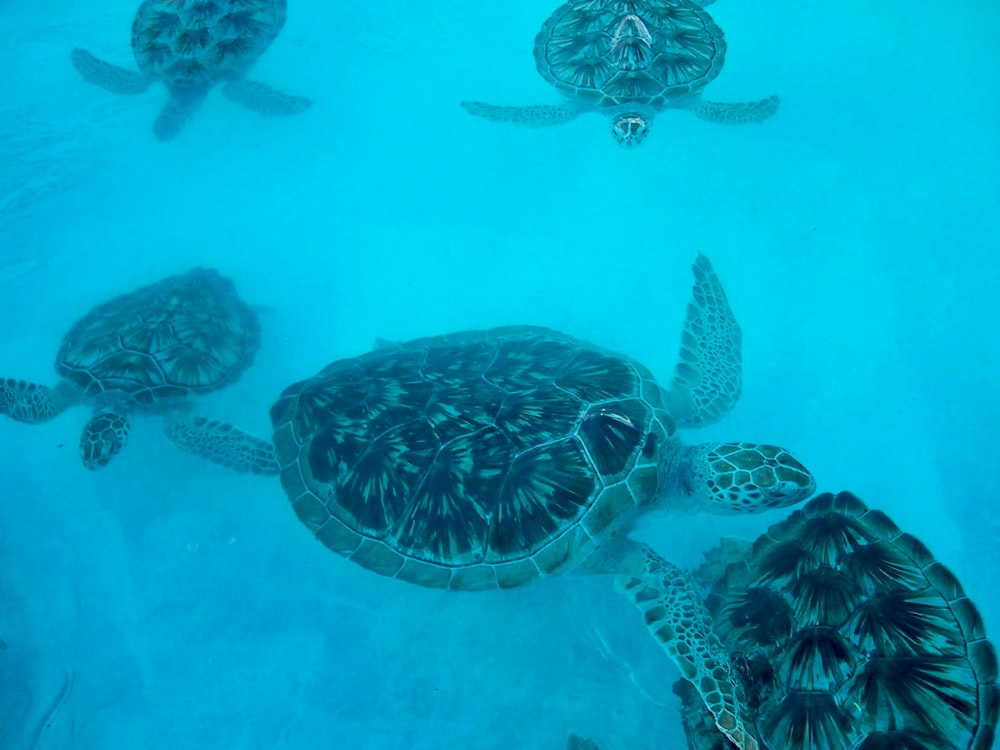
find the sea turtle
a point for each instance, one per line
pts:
(629, 59)
(488, 459)
(151, 350)
(191, 45)
(849, 634)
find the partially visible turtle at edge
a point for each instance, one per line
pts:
(629, 59)
(192, 45)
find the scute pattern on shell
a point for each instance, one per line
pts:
(612, 52)
(184, 335)
(199, 42)
(850, 635)
(474, 449)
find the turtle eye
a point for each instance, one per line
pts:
(630, 130)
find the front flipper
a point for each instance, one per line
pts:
(103, 438)
(709, 374)
(537, 116)
(107, 76)
(737, 113)
(263, 99)
(675, 614)
(223, 444)
(29, 403)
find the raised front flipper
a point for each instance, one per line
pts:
(29, 403)
(103, 438)
(709, 374)
(223, 444)
(263, 99)
(108, 76)
(675, 614)
(737, 113)
(537, 116)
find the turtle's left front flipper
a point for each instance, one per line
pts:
(675, 614)
(223, 444)
(737, 113)
(107, 76)
(263, 99)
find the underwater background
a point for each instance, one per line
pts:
(164, 602)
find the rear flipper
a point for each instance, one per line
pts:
(29, 403)
(537, 116)
(223, 444)
(675, 614)
(103, 438)
(107, 76)
(263, 99)
(737, 113)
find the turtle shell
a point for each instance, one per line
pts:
(476, 460)
(184, 335)
(203, 41)
(613, 52)
(849, 634)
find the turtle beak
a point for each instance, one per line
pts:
(630, 129)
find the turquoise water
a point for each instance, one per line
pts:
(164, 603)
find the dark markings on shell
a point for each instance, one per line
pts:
(472, 447)
(640, 51)
(200, 42)
(186, 334)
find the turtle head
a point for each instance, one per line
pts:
(728, 478)
(630, 128)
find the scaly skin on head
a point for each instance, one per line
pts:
(728, 478)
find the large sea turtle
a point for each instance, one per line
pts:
(629, 59)
(151, 350)
(192, 45)
(489, 459)
(849, 635)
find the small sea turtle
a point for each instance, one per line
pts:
(151, 350)
(629, 59)
(192, 45)
(489, 459)
(849, 635)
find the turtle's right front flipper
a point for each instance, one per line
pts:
(108, 76)
(30, 403)
(537, 116)
(676, 616)
(223, 444)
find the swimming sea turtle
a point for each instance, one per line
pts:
(191, 45)
(629, 59)
(849, 635)
(151, 350)
(488, 459)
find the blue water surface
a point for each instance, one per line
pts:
(165, 603)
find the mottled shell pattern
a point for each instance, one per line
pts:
(471, 461)
(851, 635)
(609, 53)
(203, 41)
(184, 335)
